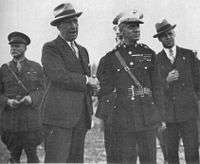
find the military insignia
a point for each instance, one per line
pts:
(147, 57)
(138, 55)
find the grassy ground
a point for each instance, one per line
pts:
(94, 150)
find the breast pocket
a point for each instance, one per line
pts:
(32, 75)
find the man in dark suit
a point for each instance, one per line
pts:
(180, 78)
(134, 109)
(67, 105)
(21, 90)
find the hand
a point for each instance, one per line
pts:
(26, 100)
(162, 127)
(93, 81)
(172, 76)
(99, 124)
(13, 103)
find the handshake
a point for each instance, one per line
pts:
(93, 82)
(14, 103)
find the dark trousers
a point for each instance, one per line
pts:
(188, 131)
(65, 145)
(146, 147)
(16, 142)
(111, 137)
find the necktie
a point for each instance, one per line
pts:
(74, 49)
(172, 57)
(19, 66)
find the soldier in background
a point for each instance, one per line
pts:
(134, 110)
(21, 90)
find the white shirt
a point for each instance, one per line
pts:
(167, 51)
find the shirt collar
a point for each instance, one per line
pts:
(69, 43)
(167, 51)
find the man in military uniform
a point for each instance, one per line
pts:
(21, 88)
(105, 112)
(134, 111)
(180, 78)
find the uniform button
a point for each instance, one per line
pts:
(118, 70)
(174, 98)
(145, 67)
(129, 52)
(152, 103)
(115, 107)
(183, 84)
(107, 101)
(131, 63)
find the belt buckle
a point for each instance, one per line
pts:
(132, 90)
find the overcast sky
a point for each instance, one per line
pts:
(33, 17)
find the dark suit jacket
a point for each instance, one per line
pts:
(68, 94)
(180, 96)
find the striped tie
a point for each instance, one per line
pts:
(171, 53)
(74, 49)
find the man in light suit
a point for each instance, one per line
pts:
(67, 105)
(180, 78)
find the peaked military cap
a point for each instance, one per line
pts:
(18, 37)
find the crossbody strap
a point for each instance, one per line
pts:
(127, 69)
(16, 77)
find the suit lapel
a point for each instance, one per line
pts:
(66, 52)
(84, 59)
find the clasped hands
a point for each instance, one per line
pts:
(93, 81)
(14, 103)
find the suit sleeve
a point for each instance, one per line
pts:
(56, 72)
(37, 93)
(196, 75)
(157, 87)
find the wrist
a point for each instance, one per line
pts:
(87, 79)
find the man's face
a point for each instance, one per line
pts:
(17, 50)
(131, 31)
(69, 28)
(167, 39)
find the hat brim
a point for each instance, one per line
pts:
(131, 20)
(59, 19)
(161, 32)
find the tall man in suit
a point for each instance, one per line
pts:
(180, 78)
(67, 104)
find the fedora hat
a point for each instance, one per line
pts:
(18, 37)
(163, 27)
(64, 11)
(133, 16)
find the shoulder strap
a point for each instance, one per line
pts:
(16, 77)
(127, 69)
